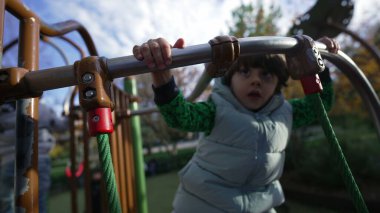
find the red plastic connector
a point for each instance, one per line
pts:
(311, 84)
(100, 121)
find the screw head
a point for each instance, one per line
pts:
(3, 76)
(87, 78)
(96, 118)
(90, 93)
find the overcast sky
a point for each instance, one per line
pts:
(117, 25)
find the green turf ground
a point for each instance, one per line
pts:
(161, 189)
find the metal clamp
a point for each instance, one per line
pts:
(225, 51)
(93, 83)
(306, 60)
(305, 64)
(94, 87)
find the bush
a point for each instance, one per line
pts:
(58, 177)
(309, 154)
(165, 162)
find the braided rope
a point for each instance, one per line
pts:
(108, 173)
(342, 164)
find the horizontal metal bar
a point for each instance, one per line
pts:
(64, 76)
(58, 77)
(360, 83)
(53, 78)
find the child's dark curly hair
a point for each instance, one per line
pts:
(272, 63)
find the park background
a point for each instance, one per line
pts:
(118, 25)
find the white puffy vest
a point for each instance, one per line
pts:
(236, 168)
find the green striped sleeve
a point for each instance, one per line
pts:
(188, 116)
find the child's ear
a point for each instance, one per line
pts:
(278, 88)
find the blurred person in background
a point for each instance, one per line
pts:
(48, 124)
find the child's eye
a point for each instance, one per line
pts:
(266, 75)
(245, 71)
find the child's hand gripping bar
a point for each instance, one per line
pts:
(225, 51)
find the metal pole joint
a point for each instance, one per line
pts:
(94, 86)
(305, 60)
(14, 86)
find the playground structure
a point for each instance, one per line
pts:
(25, 83)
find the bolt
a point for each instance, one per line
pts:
(96, 118)
(90, 93)
(3, 76)
(87, 78)
(320, 62)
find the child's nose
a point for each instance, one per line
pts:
(255, 78)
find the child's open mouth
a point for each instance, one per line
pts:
(254, 94)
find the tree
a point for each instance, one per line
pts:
(349, 101)
(254, 21)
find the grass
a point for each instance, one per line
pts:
(61, 203)
(160, 201)
(161, 190)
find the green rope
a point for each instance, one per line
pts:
(348, 178)
(108, 173)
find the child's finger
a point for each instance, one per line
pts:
(137, 52)
(180, 43)
(336, 46)
(147, 55)
(166, 51)
(331, 44)
(156, 51)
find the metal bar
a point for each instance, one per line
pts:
(119, 133)
(59, 77)
(132, 183)
(201, 85)
(53, 78)
(128, 158)
(73, 148)
(130, 168)
(65, 27)
(126, 66)
(197, 54)
(73, 161)
(342, 61)
(138, 154)
(10, 45)
(18, 9)
(360, 83)
(2, 17)
(87, 172)
(75, 45)
(370, 48)
(56, 47)
(143, 111)
(115, 156)
(26, 174)
(47, 40)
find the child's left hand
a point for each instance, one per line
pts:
(331, 44)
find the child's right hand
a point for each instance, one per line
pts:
(157, 53)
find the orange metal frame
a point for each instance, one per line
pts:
(31, 27)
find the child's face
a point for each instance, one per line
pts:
(253, 87)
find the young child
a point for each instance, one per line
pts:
(247, 121)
